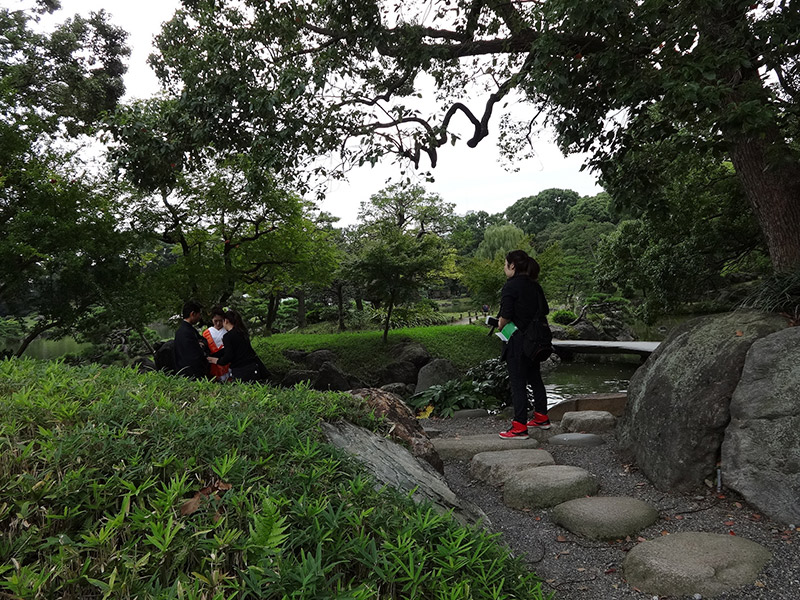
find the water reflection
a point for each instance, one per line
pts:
(578, 378)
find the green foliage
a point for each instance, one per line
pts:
(499, 240)
(563, 317)
(449, 397)
(362, 354)
(484, 278)
(122, 485)
(534, 213)
(777, 293)
(491, 377)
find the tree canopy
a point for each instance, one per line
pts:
(346, 76)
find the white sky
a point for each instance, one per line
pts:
(472, 179)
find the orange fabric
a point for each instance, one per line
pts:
(216, 370)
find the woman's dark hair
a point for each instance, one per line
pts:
(236, 319)
(217, 310)
(523, 264)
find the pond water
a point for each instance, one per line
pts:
(577, 378)
(46, 349)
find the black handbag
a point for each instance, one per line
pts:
(537, 341)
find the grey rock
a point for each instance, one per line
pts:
(405, 426)
(604, 517)
(613, 403)
(761, 448)
(436, 372)
(543, 487)
(678, 401)
(683, 564)
(414, 353)
(331, 377)
(587, 331)
(576, 439)
(316, 359)
(297, 356)
(295, 376)
(588, 420)
(470, 413)
(393, 465)
(401, 389)
(495, 467)
(466, 447)
(397, 372)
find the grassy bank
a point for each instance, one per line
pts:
(364, 353)
(121, 485)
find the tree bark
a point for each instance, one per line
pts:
(272, 311)
(389, 308)
(339, 288)
(300, 294)
(774, 193)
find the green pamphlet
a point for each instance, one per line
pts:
(505, 333)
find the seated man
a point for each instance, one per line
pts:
(190, 357)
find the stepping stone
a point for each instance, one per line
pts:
(604, 517)
(464, 448)
(588, 420)
(495, 467)
(470, 413)
(576, 439)
(543, 487)
(685, 564)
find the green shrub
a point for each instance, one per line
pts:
(121, 485)
(449, 397)
(491, 378)
(563, 317)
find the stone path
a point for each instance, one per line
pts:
(690, 563)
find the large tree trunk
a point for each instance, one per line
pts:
(773, 189)
(272, 311)
(389, 308)
(300, 294)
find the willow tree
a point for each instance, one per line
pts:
(306, 77)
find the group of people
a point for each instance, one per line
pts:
(223, 352)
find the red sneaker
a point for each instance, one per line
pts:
(539, 420)
(518, 431)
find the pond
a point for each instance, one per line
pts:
(578, 378)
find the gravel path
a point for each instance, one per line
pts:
(579, 569)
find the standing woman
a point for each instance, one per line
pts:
(237, 351)
(522, 300)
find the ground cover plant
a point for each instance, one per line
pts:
(120, 485)
(364, 353)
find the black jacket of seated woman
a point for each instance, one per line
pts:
(238, 352)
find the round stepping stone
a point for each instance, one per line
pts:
(604, 517)
(543, 487)
(684, 564)
(576, 439)
(464, 448)
(588, 420)
(495, 467)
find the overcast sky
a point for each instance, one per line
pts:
(472, 179)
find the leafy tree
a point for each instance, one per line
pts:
(468, 231)
(484, 278)
(499, 240)
(61, 252)
(401, 251)
(535, 213)
(610, 75)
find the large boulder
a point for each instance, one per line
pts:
(436, 372)
(414, 353)
(405, 426)
(761, 449)
(399, 371)
(393, 465)
(316, 359)
(295, 376)
(678, 401)
(331, 377)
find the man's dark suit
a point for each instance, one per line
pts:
(190, 360)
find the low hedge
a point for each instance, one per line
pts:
(121, 485)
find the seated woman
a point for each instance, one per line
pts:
(237, 351)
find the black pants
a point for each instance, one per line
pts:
(249, 372)
(522, 372)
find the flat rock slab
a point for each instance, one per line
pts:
(470, 413)
(543, 487)
(464, 448)
(681, 564)
(604, 517)
(575, 439)
(496, 467)
(588, 421)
